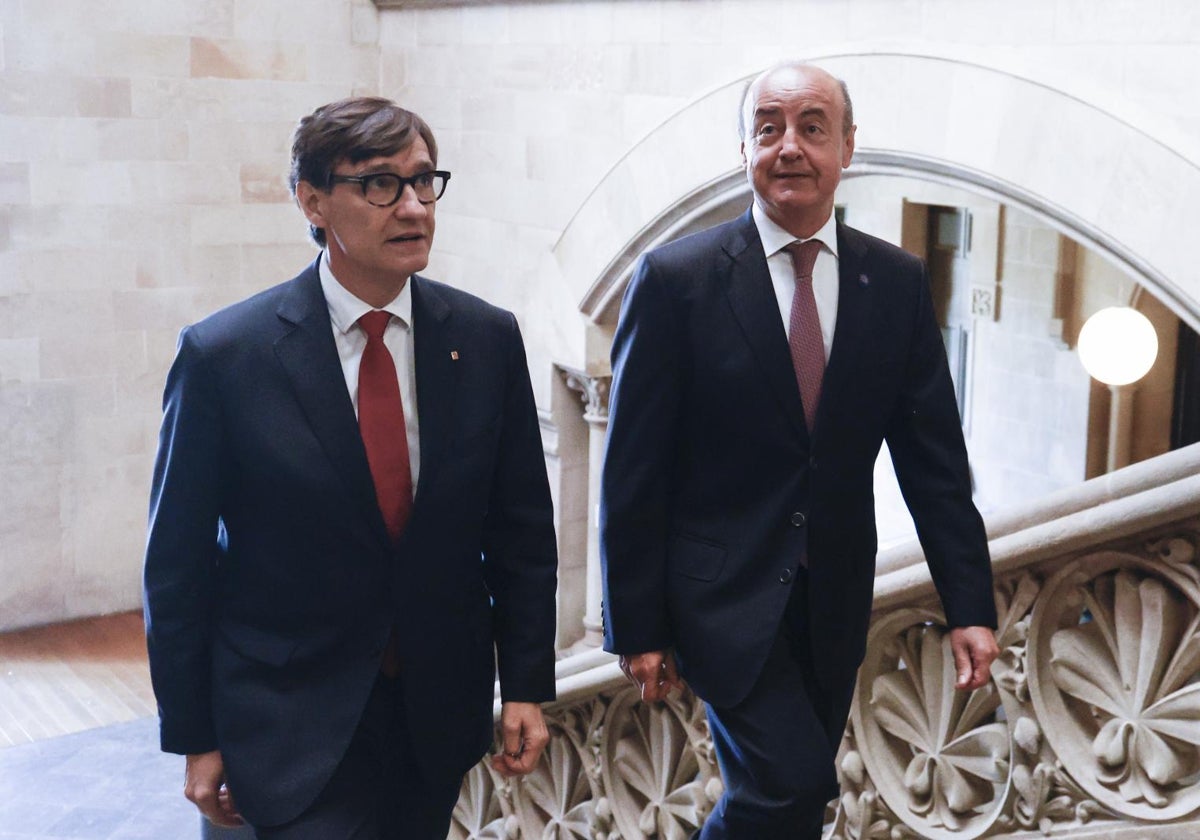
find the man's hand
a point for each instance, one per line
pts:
(525, 736)
(204, 785)
(653, 673)
(974, 650)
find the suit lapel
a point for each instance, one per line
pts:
(309, 356)
(854, 308)
(437, 376)
(748, 287)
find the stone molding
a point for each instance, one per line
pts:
(432, 4)
(592, 389)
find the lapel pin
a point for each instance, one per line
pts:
(454, 355)
(864, 280)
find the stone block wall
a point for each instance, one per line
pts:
(142, 149)
(1029, 436)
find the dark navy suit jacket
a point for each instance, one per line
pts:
(270, 581)
(713, 488)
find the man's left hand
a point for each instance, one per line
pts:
(974, 650)
(524, 734)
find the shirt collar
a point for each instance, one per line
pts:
(345, 309)
(775, 239)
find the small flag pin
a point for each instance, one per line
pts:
(454, 355)
(864, 280)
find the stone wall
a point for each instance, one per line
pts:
(1029, 437)
(142, 147)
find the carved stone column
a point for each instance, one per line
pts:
(593, 391)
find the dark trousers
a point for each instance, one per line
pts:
(377, 792)
(774, 748)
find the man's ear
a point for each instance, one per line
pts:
(848, 146)
(309, 200)
(742, 152)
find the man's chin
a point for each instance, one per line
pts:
(803, 197)
(794, 214)
(409, 263)
(412, 268)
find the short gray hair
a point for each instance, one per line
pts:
(847, 110)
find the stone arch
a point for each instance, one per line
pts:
(1117, 188)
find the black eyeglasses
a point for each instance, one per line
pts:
(383, 189)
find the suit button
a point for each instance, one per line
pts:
(798, 519)
(785, 575)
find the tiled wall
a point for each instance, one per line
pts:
(142, 148)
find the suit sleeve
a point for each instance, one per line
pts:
(638, 463)
(520, 554)
(181, 553)
(927, 448)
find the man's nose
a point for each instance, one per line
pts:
(408, 205)
(791, 147)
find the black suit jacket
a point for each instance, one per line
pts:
(270, 581)
(713, 488)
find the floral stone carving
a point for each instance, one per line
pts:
(657, 766)
(1092, 719)
(1116, 651)
(939, 758)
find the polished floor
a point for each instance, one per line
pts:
(71, 677)
(79, 753)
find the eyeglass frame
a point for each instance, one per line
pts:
(411, 181)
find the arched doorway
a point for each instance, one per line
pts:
(975, 129)
(1110, 185)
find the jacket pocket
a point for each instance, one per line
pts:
(258, 645)
(696, 558)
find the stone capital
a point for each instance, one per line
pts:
(592, 389)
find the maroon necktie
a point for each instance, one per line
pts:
(385, 437)
(804, 330)
(381, 422)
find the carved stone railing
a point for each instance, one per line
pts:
(1090, 726)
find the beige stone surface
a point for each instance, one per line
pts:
(143, 151)
(14, 183)
(231, 59)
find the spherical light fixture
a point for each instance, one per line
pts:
(1118, 345)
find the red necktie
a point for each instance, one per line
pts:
(804, 330)
(381, 423)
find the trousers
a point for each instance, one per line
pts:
(777, 747)
(377, 792)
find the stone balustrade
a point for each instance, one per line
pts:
(1089, 728)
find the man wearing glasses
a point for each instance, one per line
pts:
(350, 521)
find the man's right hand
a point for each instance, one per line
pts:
(204, 785)
(654, 673)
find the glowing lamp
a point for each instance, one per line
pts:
(1118, 345)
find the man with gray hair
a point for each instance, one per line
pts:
(350, 522)
(757, 368)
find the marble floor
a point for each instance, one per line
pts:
(79, 753)
(107, 783)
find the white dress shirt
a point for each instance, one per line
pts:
(344, 311)
(783, 276)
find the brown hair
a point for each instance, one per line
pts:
(353, 129)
